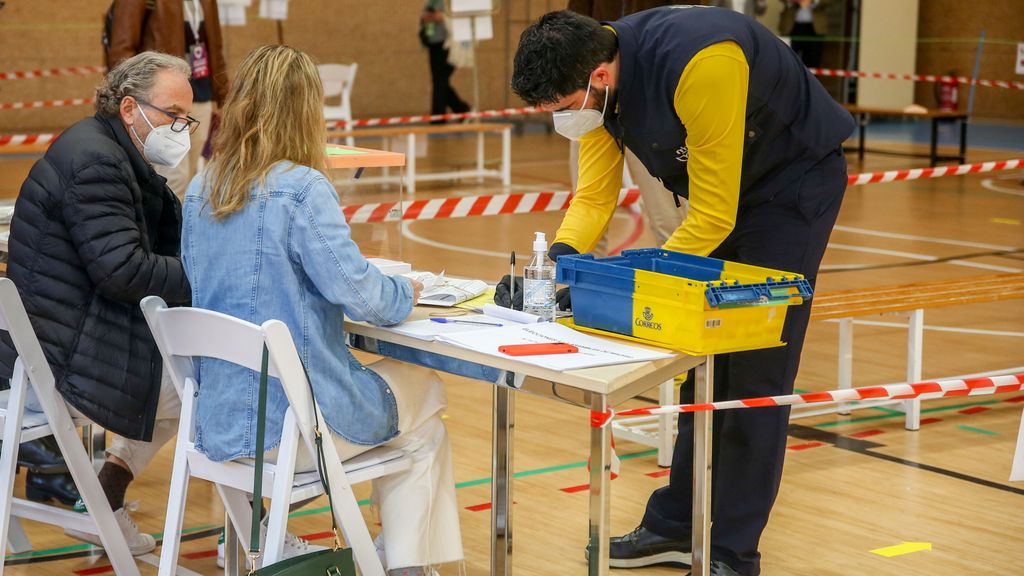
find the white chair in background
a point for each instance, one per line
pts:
(31, 371)
(183, 334)
(338, 80)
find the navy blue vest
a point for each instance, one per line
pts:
(792, 122)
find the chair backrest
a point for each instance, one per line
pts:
(338, 80)
(14, 320)
(183, 334)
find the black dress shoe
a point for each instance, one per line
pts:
(641, 547)
(43, 456)
(44, 487)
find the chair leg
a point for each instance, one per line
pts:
(350, 520)
(280, 494)
(176, 499)
(9, 451)
(17, 540)
(239, 511)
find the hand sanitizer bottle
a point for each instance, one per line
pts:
(539, 282)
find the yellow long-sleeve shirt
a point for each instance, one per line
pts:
(710, 101)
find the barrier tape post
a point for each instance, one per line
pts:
(922, 390)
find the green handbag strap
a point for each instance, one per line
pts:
(257, 487)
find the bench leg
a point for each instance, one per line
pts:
(506, 157)
(915, 340)
(845, 358)
(861, 127)
(410, 163)
(385, 144)
(480, 157)
(666, 424)
(963, 140)
(935, 142)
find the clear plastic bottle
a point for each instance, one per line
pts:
(539, 281)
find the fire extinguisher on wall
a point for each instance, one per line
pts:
(947, 93)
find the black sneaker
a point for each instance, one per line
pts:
(642, 547)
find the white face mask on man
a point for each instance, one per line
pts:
(163, 145)
(573, 124)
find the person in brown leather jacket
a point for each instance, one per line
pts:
(189, 29)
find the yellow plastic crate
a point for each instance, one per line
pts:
(689, 303)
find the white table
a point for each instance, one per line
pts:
(596, 389)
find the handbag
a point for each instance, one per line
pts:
(336, 561)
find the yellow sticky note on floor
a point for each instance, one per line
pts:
(901, 549)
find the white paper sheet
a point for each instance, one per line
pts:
(274, 9)
(231, 14)
(593, 351)
(431, 330)
(471, 6)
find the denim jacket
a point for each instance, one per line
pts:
(288, 255)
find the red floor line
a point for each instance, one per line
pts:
(930, 421)
(574, 489)
(479, 507)
(1015, 399)
(867, 433)
(659, 473)
(806, 446)
(974, 410)
(638, 230)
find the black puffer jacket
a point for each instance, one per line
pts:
(95, 230)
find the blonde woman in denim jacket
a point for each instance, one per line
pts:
(264, 237)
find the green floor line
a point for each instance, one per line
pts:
(977, 430)
(84, 547)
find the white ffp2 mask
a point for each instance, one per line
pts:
(164, 146)
(573, 124)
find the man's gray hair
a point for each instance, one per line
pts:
(135, 77)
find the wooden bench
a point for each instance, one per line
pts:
(910, 300)
(412, 132)
(863, 114)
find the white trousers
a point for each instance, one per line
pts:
(660, 211)
(136, 453)
(419, 513)
(179, 176)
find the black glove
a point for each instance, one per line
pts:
(562, 299)
(501, 293)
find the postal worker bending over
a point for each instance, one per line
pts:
(726, 115)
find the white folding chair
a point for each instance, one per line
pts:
(32, 370)
(183, 334)
(337, 80)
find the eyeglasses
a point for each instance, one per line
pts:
(178, 123)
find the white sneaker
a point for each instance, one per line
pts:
(293, 546)
(138, 542)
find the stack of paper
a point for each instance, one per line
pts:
(493, 317)
(439, 290)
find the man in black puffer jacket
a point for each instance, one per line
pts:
(95, 230)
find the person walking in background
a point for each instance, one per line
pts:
(433, 34)
(805, 20)
(189, 29)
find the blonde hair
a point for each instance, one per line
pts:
(274, 112)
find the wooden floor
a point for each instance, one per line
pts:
(842, 495)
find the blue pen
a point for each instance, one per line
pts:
(453, 321)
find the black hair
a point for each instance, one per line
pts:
(556, 55)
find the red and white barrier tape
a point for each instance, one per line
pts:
(18, 139)
(73, 71)
(922, 390)
(1013, 85)
(430, 118)
(522, 203)
(461, 207)
(45, 104)
(937, 172)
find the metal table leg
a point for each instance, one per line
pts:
(600, 492)
(502, 431)
(702, 425)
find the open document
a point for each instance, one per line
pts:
(492, 317)
(593, 351)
